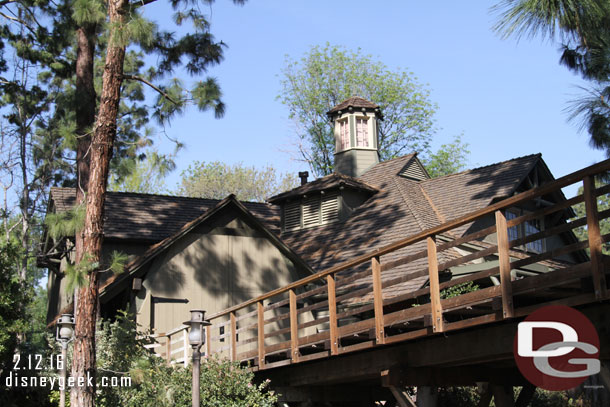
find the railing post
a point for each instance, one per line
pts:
(208, 341)
(378, 301)
(332, 314)
(595, 241)
(435, 297)
(233, 337)
(504, 263)
(261, 334)
(294, 327)
(168, 349)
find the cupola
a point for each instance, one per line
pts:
(356, 129)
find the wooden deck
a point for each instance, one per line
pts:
(352, 307)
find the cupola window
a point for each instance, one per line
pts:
(344, 134)
(362, 132)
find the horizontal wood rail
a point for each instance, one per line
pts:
(434, 281)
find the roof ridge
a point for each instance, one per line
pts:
(143, 194)
(482, 167)
(438, 214)
(406, 201)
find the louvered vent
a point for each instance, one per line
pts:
(311, 211)
(292, 215)
(330, 207)
(414, 171)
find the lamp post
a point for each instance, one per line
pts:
(64, 335)
(196, 340)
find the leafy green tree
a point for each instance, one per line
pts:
(216, 180)
(145, 177)
(582, 28)
(326, 76)
(449, 159)
(13, 297)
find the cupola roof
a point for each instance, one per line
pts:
(355, 102)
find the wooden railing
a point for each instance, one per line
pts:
(473, 270)
(173, 346)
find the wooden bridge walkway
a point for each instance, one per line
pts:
(487, 280)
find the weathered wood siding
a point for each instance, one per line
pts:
(219, 264)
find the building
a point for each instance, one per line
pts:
(197, 253)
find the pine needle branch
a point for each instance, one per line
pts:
(139, 79)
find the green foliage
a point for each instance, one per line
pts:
(216, 180)
(66, 223)
(77, 274)
(582, 27)
(13, 297)
(449, 159)
(155, 384)
(117, 262)
(458, 289)
(146, 176)
(223, 384)
(326, 76)
(88, 12)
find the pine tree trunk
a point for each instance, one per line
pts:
(85, 115)
(101, 152)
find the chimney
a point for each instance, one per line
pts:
(355, 123)
(303, 175)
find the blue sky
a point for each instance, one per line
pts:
(508, 98)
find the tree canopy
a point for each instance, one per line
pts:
(325, 76)
(216, 180)
(448, 159)
(581, 26)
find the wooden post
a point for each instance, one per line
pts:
(233, 337)
(332, 314)
(294, 327)
(504, 262)
(208, 341)
(595, 242)
(168, 349)
(378, 301)
(435, 296)
(261, 334)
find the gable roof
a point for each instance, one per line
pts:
(116, 281)
(404, 207)
(327, 182)
(456, 195)
(158, 248)
(152, 218)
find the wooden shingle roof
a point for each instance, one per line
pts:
(331, 181)
(355, 102)
(152, 218)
